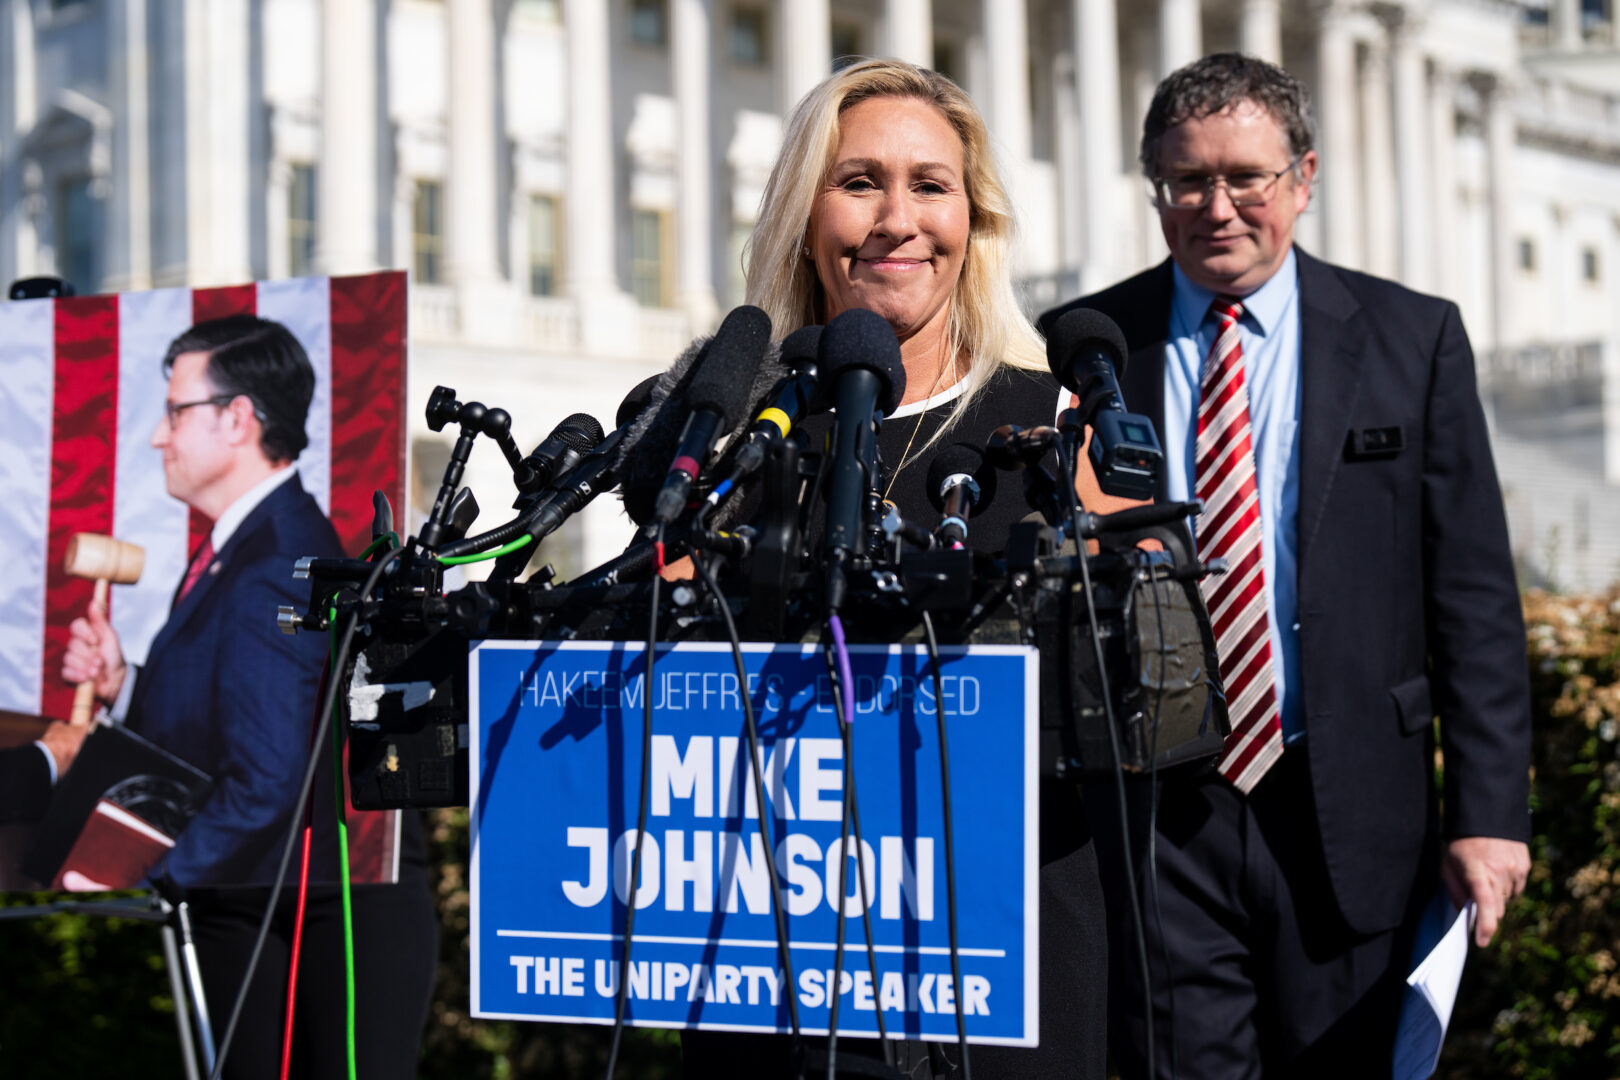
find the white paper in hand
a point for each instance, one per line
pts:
(1431, 988)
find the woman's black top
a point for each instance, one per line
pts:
(1010, 396)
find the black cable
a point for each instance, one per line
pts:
(838, 901)
(950, 843)
(317, 746)
(633, 888)
(764, 808)
(1153, 832)
(860, 876)
(1119, 766)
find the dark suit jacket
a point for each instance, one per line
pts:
(25, 784)
(1408, 605)
(224, 689)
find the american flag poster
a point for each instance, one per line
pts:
(81, 391)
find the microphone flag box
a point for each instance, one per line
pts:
(555, 766)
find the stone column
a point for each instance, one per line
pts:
(1340, 164)
(218, 148)
(346, 176)
(1006, 44)
(1260, 29)
(692, 23)
(471, 261)
(909, 31)
(1496, 93)
(1096, 48)
(129, 226)
(1377, 164)
(19, 245)
(1566, 25)
(1181, 34)
(277, 191)
(804, 48)
(608, 320)
(1442, 195)
(1413, 208)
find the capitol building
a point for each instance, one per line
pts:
(570, 183)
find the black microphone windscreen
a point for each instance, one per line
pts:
(636, 401)
(861, 338)
(722, 380)
(581, 431)
(801, 348)
(1079, 331)
(655, 429)
(961, 458)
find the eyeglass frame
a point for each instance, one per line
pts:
(173, 409)
(1158, 183)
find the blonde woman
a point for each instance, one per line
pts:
(886, 197)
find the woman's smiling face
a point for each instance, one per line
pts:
(889, 229)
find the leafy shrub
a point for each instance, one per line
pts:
(1544, 1000)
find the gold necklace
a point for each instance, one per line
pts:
(921, 414)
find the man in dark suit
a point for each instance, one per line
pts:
(221, 686)
(1329, 421)
(27, 773)
(224, 689)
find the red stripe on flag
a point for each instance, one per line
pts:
(368, 401)
(216, 304)
(368, 453)
(84, 427)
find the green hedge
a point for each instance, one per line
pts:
(1544, 1000)
(86, 996)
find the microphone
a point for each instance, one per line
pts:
(1086, 353)
(1018, 449)
(802, 348)
(568, 442)
(635, 401)
(1012, 447)
(717, 395)
(959, 485)
(588, 476)
(596, 473)
(860, 356)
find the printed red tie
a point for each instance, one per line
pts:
(1229, 528)
(199, 563)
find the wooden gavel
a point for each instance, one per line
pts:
(101, 559)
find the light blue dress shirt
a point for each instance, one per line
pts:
(1270, 334)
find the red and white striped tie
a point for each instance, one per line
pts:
(1229, 528)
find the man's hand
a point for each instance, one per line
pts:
(93, 652)
(63, 741)
(1489, 871)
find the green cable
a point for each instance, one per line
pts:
(343, 860)
(389, 538)
(457, 560)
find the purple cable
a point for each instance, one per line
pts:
(847, 690)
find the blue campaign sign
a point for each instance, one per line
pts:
(555, 771)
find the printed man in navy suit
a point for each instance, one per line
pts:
(223, 688)
(1330, 423)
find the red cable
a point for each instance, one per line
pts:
(658, 557)
(292, 966)
(298, 918)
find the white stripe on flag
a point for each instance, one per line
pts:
(143, 511)
(27, 394)
(303, 305)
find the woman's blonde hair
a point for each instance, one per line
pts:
(985, 322)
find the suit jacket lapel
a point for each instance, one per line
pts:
(278, 501)
(1331, 360)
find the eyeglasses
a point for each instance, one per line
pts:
(1193, 191)
(173, 409)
